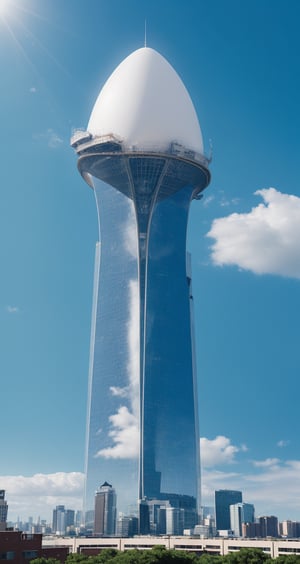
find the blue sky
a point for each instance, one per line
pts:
(240, 62)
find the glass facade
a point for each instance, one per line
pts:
(142, 428)
(223, 500)
(113, 404)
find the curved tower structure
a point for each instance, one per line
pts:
(142, 154)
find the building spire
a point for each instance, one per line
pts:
(145, 35)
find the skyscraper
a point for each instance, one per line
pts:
(62, 519)
(268, 526)
(143, 155)
(105, 510)
(240, 513)
(3, 510)
(223, 500)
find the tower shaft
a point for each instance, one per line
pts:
(142, 364)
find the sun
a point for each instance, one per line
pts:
(4, 7)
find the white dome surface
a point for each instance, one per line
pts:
(146, 104)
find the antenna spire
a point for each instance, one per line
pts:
(145, 38)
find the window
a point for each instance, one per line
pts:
(29, 554)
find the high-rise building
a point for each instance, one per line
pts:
(251, 530)
(62, 519)
(289, 529)
(223, 500)
(240, 513)
(268, 526)
(105, 510)
(3, 510)
(143, 156)
(59, 520)
(70, 518)
(78, 519)
(127, 526)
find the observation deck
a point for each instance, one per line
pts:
(137, 173)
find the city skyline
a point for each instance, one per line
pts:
(240, 65)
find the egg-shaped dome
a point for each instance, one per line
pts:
(145, 103)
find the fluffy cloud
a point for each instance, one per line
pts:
(124, 434)
(52, 138)
(217, 451)
(265, 240)
(119, 392)
(283, 443)
(40, 493)
(12, 309)
(130, 233)
(267, 463)
(125, 423)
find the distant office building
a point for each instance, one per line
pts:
(127, 526)
(226, 533)
(251, 530)
(206, 511)
(59, 520)
(202, 531)
(105, 511)
(207, 527)
(3, 510)
(240, 513)
(223, 500)
(62, 520)
(144, 518)
(156, 518)
(89, 521)
(69, 518)
(289, 529)
(268, 526)
(79, 519)
(174, 521)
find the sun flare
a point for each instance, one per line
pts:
(5, 6)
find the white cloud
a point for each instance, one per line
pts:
(124, 430)
(218, 451)
(12, 309)
(265, 240)
(125, 436)
(40, 493)
(32, 90)
(119, 392)
(267, 463)
(207, 200)
(130, 232)
(52, 138)
(283, 443)
(133, 337)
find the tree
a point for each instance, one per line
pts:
(75, 558)
(287, 559)
(43, 560)
(246, 556)
(206, 558)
